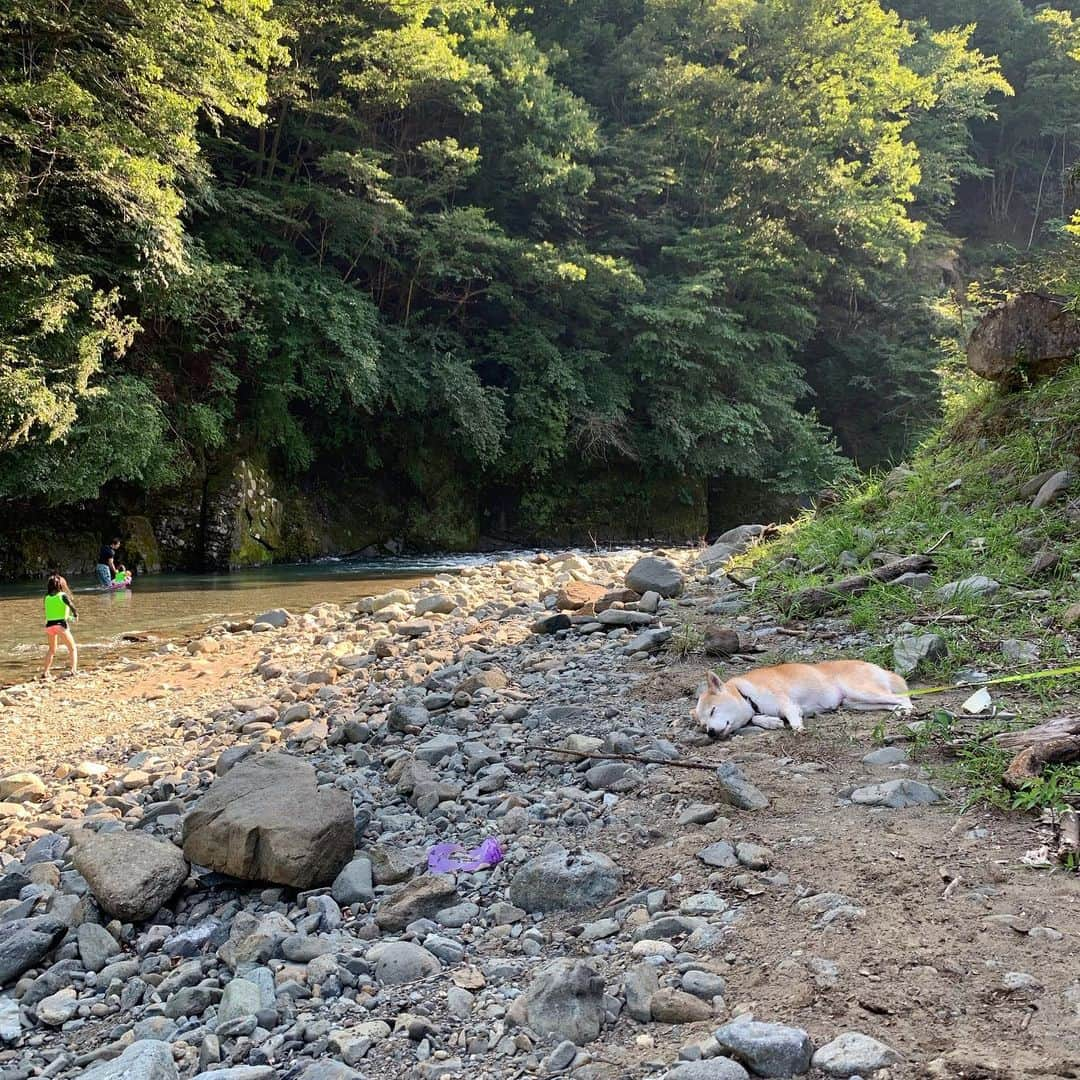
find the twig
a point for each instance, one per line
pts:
(628, 757)
(931, 550)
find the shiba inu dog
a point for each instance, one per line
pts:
(770, 695)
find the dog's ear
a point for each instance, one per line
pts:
(714, 682)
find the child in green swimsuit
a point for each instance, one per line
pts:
(58, 610)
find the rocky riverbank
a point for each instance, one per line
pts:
(215, 864)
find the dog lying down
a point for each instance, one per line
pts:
(770, 695)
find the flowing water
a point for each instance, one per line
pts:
(163, 606)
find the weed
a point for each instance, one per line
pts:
(686, 640)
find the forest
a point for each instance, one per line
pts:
(508, 259)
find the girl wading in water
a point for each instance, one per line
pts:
(58, 609)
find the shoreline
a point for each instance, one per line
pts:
(639, 910)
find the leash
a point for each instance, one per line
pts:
(1052, 673)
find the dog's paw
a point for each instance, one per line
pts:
(769, 723)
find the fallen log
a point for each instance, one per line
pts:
(819, 599)
(1052, 730)
(1030, 762)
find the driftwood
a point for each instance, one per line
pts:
(819, 599)
(1052, 743)
(1052, 730)
(1029, 763)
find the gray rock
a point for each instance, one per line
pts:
(130, 874)
(561, 1058)
(910, 651)
(239, 1072)
(853, 1053)
(649, 641)
(886, 755)
(25, 942)
(398, 962)
(1055, 485)
(653, 574)
(421, 898)
(438, 604)
(266, 821)
(896, 794)
(976, 585)
(670, 1006)
(703, 984)
(277, 618)
(10, 1027)
(737, 791)
(1020, 652)
(910, 580)
(147, 1059)
(241, 998)
(624, 617)
(559, 881)
(614, 776)
(354, 884)
(767, 1049)
(330, 1070)
(392, 865)
(753, 856)
(96, 946)
(404, 716)
(713, 1069)
(437, 749)
(457, 916)
(189, 1001)
(720, 854)
(58, 1008)
(639, 985)
(565, 999)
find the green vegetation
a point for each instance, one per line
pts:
(961, 494)
(590, 240)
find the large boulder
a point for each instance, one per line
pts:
(1032, 336)
(559, 881)
(130, 874)
(266, 820)
(733, 542)
(564, 1000)
(653, 574)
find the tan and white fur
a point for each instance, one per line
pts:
(769, 696)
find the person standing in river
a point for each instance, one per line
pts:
(58, 610)
(106, 564)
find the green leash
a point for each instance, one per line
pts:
(1053, 673)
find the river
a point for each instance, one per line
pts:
(163, 606)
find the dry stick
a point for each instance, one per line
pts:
(930, 550)
(1029, 763)
(628, 757)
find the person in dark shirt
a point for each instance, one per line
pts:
(106, 565)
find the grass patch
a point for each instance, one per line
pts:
(963, 484)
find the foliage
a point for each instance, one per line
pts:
(656, 239)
